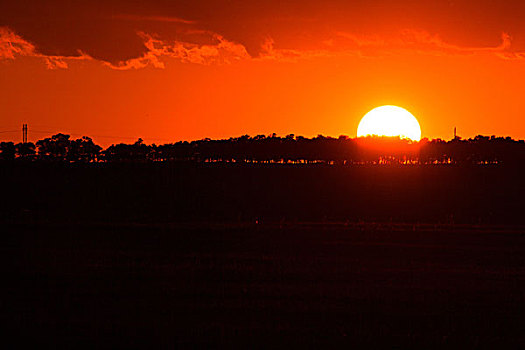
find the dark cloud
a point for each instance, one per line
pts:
(136, 33)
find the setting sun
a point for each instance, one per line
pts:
(389, 121)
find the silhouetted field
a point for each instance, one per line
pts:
(264, 285)
(185, 255)
(185, 192)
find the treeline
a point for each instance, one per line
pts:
(275, 149)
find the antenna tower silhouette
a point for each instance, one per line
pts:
(24, 133)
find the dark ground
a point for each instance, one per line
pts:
(178, 192)
(129, 255)
(261, 286)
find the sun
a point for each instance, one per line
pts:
(390, 121)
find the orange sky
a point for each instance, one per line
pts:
(168, 74)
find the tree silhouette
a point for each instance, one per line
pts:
(55, 147)
(137, 152)
(7, 151)
(290, 149)
(26, 150)
(83, 150)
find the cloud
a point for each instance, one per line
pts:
(422, 42)
(269, 52)
(406, 41)
(291, 30)
(512, 55)
(206, 47)
(218, 51)
(222, 51)
(138, 18)
(12, 45)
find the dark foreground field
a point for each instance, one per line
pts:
(184, 254)
(186, 192)
(263, 285)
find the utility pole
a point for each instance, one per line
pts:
(454, 133)
(24, 133)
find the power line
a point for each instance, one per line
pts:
(91, 135)
(43, 132)
(116, 137)
(103, 136)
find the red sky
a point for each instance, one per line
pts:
(166, 71)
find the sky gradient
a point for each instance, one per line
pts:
(168, 71)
